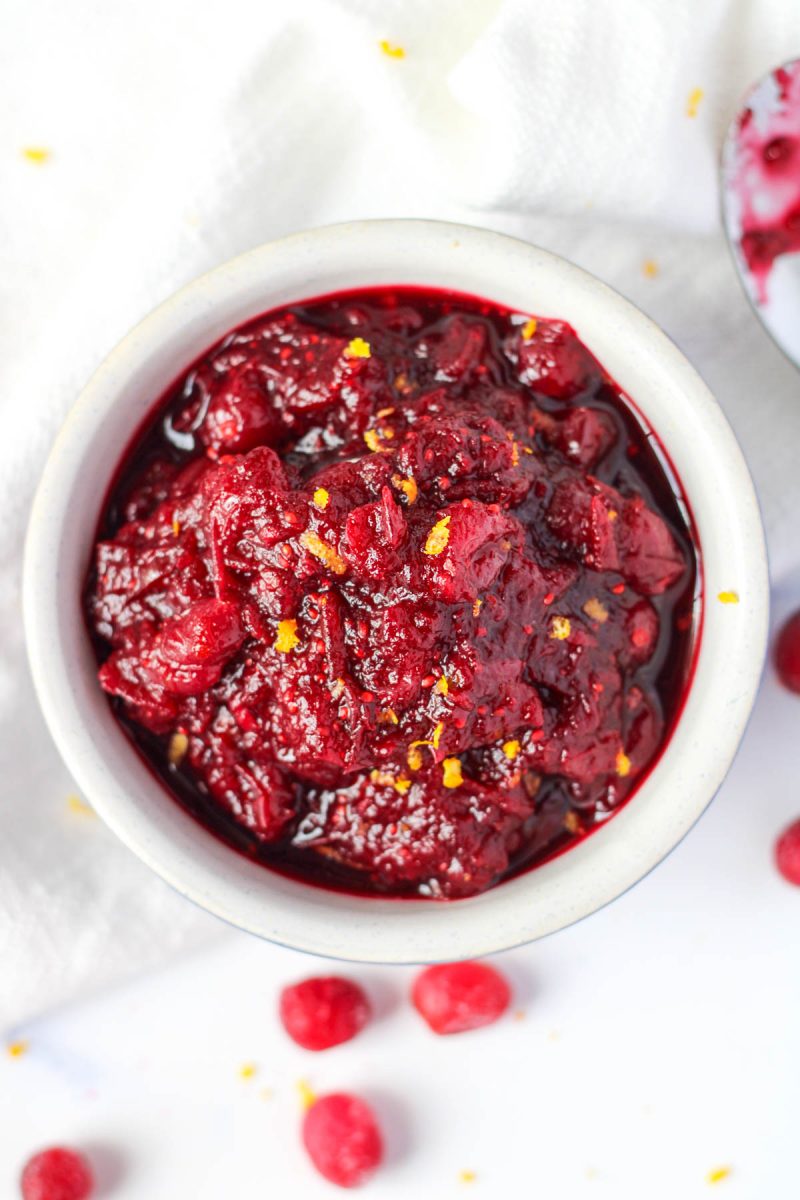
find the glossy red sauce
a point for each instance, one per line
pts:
(396, 592)
(766, 178)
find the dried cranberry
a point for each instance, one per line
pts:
(787, 653)
(787, 853)
(57, 1174)
(323, 1012)
(343, 1139)
(456, 997)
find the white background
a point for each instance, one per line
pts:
(659, 1039)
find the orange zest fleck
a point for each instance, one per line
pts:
(451, 773)
(693, 102)
(438, 537)
(357, 348)
(436, 736)
(477, 605)
(386, 779)
(287, 637)
(17, 1049)
(321, 498)
(529, 329)
(728, 597)
(388, 717)
(374, 437)
(467, 1176)
(36, 154)
(78, 806)
(407, 486)
(178, 745)
(176, 526)
(247, 1070)
(337, 689)
(441, 687)
(623, 764)
(326, 554)
(511, 748)
(649, 268)
(597, 611)
(390, 50)
(514, 454)
(414, 756)
(718, 1174)
(307, 1094)
(560, 628)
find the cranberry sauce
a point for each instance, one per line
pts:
(766, 175)
(395, 592)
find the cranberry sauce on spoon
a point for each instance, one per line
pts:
(395, 592)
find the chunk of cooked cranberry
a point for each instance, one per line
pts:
(248, 508)
(124, 674)
(323, 1011)
(443, 841)
(257, 793)
(472, 452)
(317, 732)
(612, 533)
(466, 548)
(189, 653)
(650, 557)
(343, 1139)
(142, 577)
(373, 534)
(584, 435)
(787, 653)
(238, 412)
(582, 514)
(458, 997)
(304, 368)
(57, 1174)
(354, 482)
(395, 649)
(455, 351)
(551, 360)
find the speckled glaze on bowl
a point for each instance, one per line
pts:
(673, 400)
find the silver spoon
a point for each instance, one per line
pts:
(761, 202)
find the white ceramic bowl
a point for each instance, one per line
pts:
(691, 428)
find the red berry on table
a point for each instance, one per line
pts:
(343, 1139)
(787, 853)
(787, 653)
(57, 1174)
(323, 1012)
(455, 997)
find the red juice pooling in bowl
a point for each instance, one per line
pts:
(396, 592)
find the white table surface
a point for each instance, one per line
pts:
(650, 1044)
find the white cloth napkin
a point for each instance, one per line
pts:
(182, 134)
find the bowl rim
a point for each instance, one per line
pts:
(720, 696)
